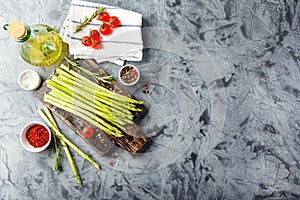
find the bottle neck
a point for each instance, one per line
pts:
(26, 36)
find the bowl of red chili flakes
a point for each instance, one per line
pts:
(35, 137)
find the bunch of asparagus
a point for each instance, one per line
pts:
(65, 143)
(74, 93)
(96, 104)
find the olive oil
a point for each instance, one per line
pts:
(40, 45)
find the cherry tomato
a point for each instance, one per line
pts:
(96, 44)
(114, 21)
(104, 16)
(86, 41)
(105, 29)
(95, 35)
(88, 132)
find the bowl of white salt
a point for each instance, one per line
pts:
(29, 79)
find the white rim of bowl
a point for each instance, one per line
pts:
(34, 74)
(129, 84)
(33, 149)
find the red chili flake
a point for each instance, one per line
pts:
(111, 163)
(147, 88)
(37, 136)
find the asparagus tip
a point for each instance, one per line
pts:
(97, 166)
(78, 180)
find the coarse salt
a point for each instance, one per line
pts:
(29, 80)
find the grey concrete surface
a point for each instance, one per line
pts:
(206, 55)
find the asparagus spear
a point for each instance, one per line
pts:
(65, 97)
(89, 99)
(71, 161)
(104, 98)
(68, 142)
(83, 114)
(79, 76)
(85, 91)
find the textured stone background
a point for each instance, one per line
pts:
(255, 44)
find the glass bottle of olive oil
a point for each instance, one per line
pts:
(40, 45)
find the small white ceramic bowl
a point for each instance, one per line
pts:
(29, 79)
(126, 70)
(25, 142)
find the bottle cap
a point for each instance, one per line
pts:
(16, 29)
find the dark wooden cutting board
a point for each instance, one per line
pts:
(135, 139)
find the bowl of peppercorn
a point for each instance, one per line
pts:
(35, 137)
(129, 75)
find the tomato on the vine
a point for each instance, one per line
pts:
(104, 16)
(105, 29)
(86, 41)
(88, 132)
(95, 35)
(96, 44)
(114, 21)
